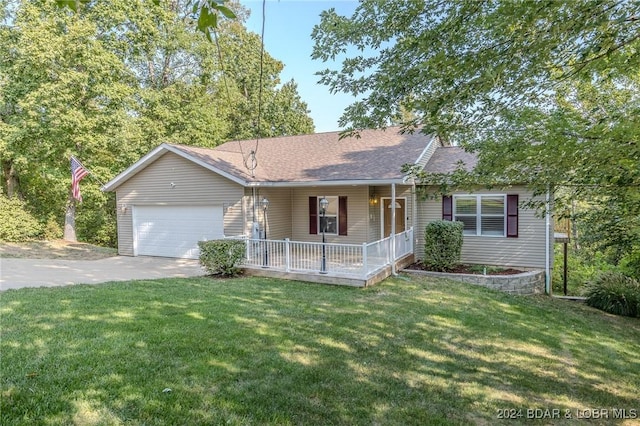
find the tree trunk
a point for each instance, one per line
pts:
(70, 220)
(11, 179)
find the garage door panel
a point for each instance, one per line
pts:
(174, 231)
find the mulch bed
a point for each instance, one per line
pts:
(468, 269)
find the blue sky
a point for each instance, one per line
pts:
(287, 37)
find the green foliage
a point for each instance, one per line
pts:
(615, 293)
(71, 4)
(16, 223)
(205, 11)
(582, 266)
(476, 59)
(631, 264)
(485, 269)
(52, 229)
(547, 96)
(109, 80)
(221, 257)
(443, 244)
(97, 225)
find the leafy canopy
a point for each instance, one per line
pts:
(547, 93)
(107, 80)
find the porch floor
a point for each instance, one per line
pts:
(332, 278)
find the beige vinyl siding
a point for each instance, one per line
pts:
(527, 251)
(192, 185)
(278, 213)
(357, 216)
(233, 218)
(124, 229)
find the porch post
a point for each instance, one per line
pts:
(393, 228)
(365, 267)
(287, 254)
(265, 206)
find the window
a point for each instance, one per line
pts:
(335, 217)
(328, 223)
(481, 214)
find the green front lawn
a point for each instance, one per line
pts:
(410, 350)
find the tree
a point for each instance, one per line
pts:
(107, 80)
(548, 94)
(63, 94)
(253, 86)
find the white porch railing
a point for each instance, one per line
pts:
(354, 260)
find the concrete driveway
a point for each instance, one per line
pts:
(20, 273)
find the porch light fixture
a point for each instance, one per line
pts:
(265, 205)
(324, 203)
(373, 199)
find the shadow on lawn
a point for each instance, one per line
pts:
(263, 351)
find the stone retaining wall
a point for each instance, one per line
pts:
(526, 283)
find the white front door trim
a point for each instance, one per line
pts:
(382, 215)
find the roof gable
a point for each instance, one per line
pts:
(151, 157)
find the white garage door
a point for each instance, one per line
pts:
(174, 231)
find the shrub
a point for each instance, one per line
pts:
(582, 266)
(16, 223)
(631, 264)
(221, 257)
(615, 293)
(443, 244)
(97, 227)
(52, 229)
(96, 219)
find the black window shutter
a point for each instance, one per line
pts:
(512, 215)
(342, 215)
(313, 215)
(447, 207)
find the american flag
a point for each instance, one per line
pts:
(78, 172)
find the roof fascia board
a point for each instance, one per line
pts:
(310, 184)
(133, 169)
(425, 150)
(155, 154)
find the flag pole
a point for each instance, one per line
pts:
(90, 172)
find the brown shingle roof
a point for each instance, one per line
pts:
(375, 155)
(448, 158)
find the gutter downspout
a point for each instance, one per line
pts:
(414, 217)
(547, 250)
(393, 229)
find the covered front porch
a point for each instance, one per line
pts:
(357, 265)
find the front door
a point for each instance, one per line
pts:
(386, 216)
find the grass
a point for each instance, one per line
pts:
(55, 249)
(411, 350)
